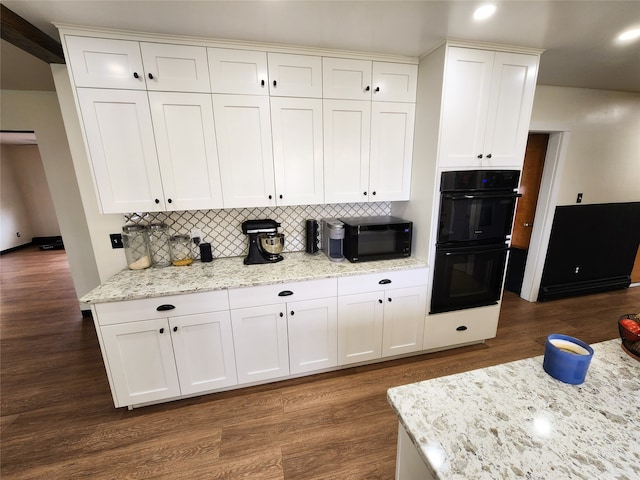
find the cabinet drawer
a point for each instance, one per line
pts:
(380, 281)
(271, 294)
(464, 326)
(187, 304)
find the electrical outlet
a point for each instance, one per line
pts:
(18, 234)
(197, 233)
(116, 240)
(579, 198)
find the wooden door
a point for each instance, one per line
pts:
(635, 273)
(529, 188)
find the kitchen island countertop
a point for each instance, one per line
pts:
(515, 421)
(225, 273)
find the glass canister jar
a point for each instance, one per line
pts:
(159, 245)
(180, 247)
(136, 246)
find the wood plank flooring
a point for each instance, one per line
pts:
(58, 419)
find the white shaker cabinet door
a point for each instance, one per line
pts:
(360, 318)
(187, 153)
(404, 319)
(465, 106)
(260, 341)
(394, 82)
(243, 129)
(105, 63)
(392, 126)
(312, 329)
(346, 79)
(238, 71)
(203, 346)
(140, 359)
(297, 150)
(295, 75)
(122, 150)
(347, 129)
(175, 68)
(509, 115)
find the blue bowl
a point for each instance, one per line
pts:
(566, 358)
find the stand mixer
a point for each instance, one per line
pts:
(265, 243)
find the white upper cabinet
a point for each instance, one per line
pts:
(487, 102)
(120, 139)
(295, 75)
(186, 145)
(347, 129)
(238, 71)
(243, 129)
(296, 125)
(365, 80)
(394, 82)
(105, 63)
(175, 68)
(391, 151)
(346, 79)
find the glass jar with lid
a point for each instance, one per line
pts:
(159, 245)
(136, 246)
(180, 247)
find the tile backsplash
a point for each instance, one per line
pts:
(222, 228)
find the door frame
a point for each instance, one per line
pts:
(559, 136)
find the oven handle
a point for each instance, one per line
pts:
(466, 250)
(467, 196)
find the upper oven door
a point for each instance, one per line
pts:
(480, 217)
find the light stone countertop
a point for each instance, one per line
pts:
(232, 273)
(515, 421)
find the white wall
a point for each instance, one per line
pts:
(40, 112)
(14, 215)
(603, 155)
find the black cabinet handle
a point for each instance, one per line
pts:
(262, 83)
(480, 156)
(175, 329)
(367, 89)
(161, 330)
(135, 75)
(280, 197)
(285, 293)
(275, 83)
(461, 328)
(165, 307)
(157, 201)
(377, 89)
(151, 76)
(384, 281)
(489, 156)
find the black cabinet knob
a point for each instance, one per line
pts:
(373, 193)
(292, 312)
(377, 89)
(151, 76)
(379, 300)
(280, 196)
(367, 89)
(275, 83)
(270, 197)
(162, 330)
(480, 156)
(489, 156)
(281, 314)
(157, 201)
(175, 329)
(262, 83)
(364, 193)
(135, 75)
(388, 299)
(170, 201)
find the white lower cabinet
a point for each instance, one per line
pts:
(403, 326)
(460, 327)
(359, 327)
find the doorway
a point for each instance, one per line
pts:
(530, 182)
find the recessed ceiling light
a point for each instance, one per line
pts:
(629, 35)
(484, 12)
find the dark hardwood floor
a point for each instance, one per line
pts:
(58, 419)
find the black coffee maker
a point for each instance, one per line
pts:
(265, 243)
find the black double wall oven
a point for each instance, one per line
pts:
(475, 220)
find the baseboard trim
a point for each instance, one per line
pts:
(14, 249)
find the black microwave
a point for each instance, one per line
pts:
(376, 238)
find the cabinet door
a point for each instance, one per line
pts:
(465, 106)
(391, 151)
(122, 149)
(514, 81)
(105, 63)
(187, 153)
(140, 359)
(238, 71)
(175, 68)
(394, 82)
(404, 317)
(203, 346)
(347, 128)
(360, 327)
(297, 150)
(295, 75)
(260, 341)
(346, 79)
(244, 149)
(313, 336)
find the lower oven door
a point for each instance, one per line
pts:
(467, 277)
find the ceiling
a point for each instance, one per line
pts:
(578, 36)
